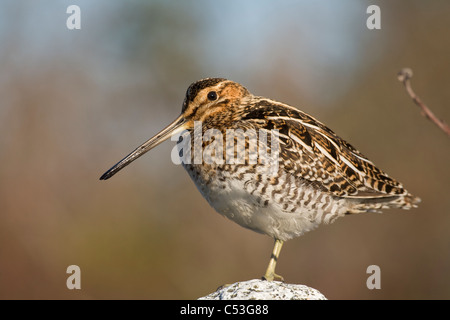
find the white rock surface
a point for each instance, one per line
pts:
(265, 290)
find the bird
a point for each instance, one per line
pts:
(312, 176)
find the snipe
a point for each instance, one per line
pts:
(318, 178)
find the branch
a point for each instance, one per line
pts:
(404, 76)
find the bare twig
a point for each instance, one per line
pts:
(404, 76)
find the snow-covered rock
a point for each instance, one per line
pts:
(264, 290)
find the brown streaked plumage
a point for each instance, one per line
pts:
(319, 176)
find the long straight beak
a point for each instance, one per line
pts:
(175, 127)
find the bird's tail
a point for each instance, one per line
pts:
(360, 204)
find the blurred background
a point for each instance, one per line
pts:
(74, 102)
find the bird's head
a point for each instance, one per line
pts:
(206, 99)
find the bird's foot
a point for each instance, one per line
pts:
(272, 277)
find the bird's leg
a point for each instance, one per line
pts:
(270, 272)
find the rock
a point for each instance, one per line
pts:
(264, 290)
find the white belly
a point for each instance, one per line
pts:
(231, 199)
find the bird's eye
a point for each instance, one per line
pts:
(212, 95)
